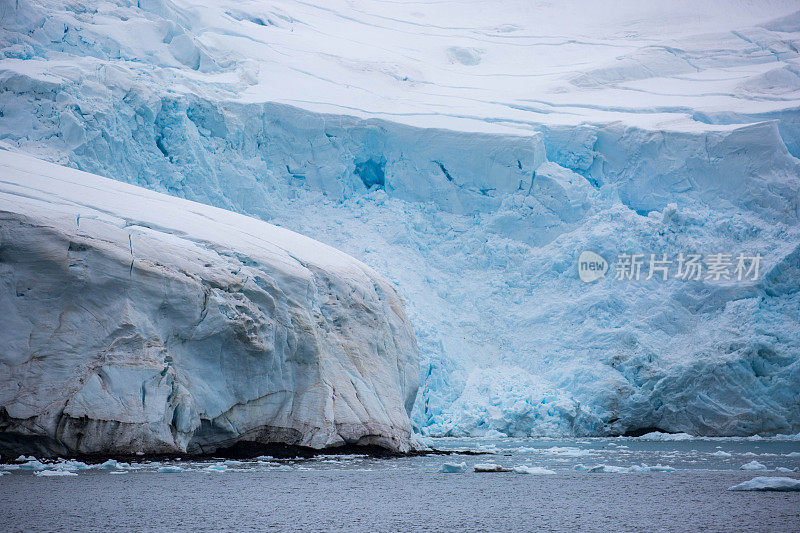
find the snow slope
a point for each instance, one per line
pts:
(138, 322)
(470, 151)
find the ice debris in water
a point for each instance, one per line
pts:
(217, 467)
(54, 473)
(524, 469)
(786, 470)
(32, 464)
(606, 469)
(569, 451)
(781, 484)
(170, 469)
(490, 467)
(113, 464)
(753, 465)
(453, 468)
(720, 453)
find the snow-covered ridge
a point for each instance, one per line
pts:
(138, 322)
(485, 146)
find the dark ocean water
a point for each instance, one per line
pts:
(358, 493)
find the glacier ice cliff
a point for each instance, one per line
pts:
(135, 322)
(470, 157)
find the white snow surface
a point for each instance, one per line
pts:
(470, 151)
(137, 322)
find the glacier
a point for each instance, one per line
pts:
(139, 323)
(470, 153)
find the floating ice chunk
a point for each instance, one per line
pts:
(23, 458)
(69, 465)
(753, 465)
(33, 464)
(231, 462)
(113, 464)
(284, 468)
(792, 454)
(611, 469)
(785, 469)
(490, 467)
(653, 468)
(118, 472)
(217, 467)
(720, 453)
(170, 469)
(608, 469)
(783, 484)
(453, 468)
(523, 469)
(657, 435)
(54, 473)
(569, 451)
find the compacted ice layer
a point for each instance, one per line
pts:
(136, 322)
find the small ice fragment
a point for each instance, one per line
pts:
(453, 468)
(785, 469)
(231, 462)
(53, 473)
(32, 464)
(783, 484)
(113, 464)
(720, 453)
(170, 469)
(753, 465)
(22, 458)
(217, 467)
(490, 467)
(523, 469)
(605, 469)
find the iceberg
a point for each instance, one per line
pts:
(753, 465)
(779, 484)
(136, 322)
(54, 473)
(170, 469)
(453, 468)
(611, 469)
(536, 470)
(490, 467)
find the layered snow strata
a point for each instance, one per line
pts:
(137, 322)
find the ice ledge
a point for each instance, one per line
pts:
(135, 322)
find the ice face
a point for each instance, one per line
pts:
(474, 177)
(136, 322)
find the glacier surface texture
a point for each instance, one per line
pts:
(469, 152)
(136, 322)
